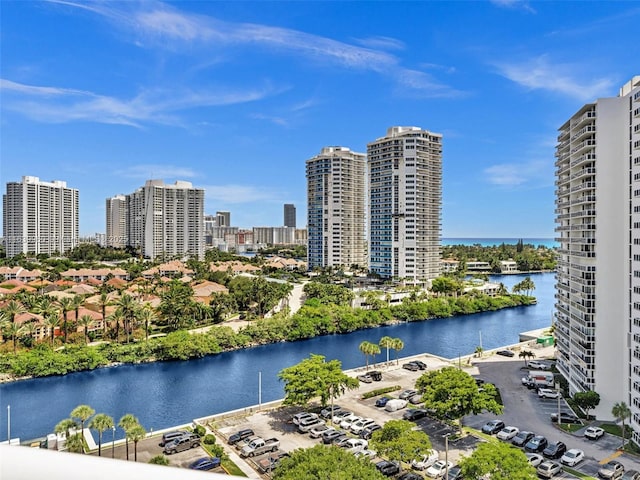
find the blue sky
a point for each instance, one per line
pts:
(235, 96)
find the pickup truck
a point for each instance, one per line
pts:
(258, 446)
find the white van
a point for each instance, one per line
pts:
(395, 404)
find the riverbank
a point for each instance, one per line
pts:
(310, 322)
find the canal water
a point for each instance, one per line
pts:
(172, 393)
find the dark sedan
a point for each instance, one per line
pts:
(492, 427)
(536, 445)
(205, 463)
(522, 438)
(240, 435)
(505, 353)
(411, 366)
(414, 414)
(555, 450)
(564, 418)
(388, 468)
(382, 401)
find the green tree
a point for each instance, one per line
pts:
(453, 393)
(314, 377)
(386, 342)
(13, 308)
(75, 443)
(135, 434)
(76, 302)
(128, 308)
(12, 330)
(66, 305)
(498, 460)
(621, 412)
(51, 320)
(526, 355)
(587, 400)
(324, 463)
(159, 460)
(64, 427)
(104, 302)
(127, 422)
(101, 422)
(369, 349)
(397, 345)
(398, 440)
(177, 306)
(147, 316)
(82, 413)
(85, 320)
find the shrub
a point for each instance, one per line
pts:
(380, 391)
(200, 431)
(159, 460)
(210, 439)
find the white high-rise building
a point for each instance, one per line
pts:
(116, 212)
(336, 208)
(40, 217)
(597, 315)
(165, 221)
(405, 201)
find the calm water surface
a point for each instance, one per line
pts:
(171, 393)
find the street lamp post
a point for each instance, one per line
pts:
(113, 440)
(446, 455)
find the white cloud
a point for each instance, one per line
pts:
(385, 43)
(540, 74)
(534, 173)
(156, 171)
(233, 194)
(514, 4)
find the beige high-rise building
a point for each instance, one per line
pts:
(597, 319)
(336, 208)
(405, 203)
(116, 213)
(40, 217)
(166, 221)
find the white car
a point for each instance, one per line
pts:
(594, 433)
(548, 393)
(354, 444)
(357, 427)
(316, 432)
(425, 461)
(346, 422)
(303, 416)
(507, 433)
(536, 365)
(365, 453)
(395, 404)
(438, 469)
(534, 459)
(572, 457)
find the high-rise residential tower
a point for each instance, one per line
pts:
(40, 217)
(405, 198)
(289, 215)
(597, 319)
(166, 220)
(336, 208)
(223, 219)
(116, 212)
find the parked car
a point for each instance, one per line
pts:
(548, 469)
(316, 432)
(395, 404)
(388, 468)
(537, 444)
(298, 417)
(548, 393)
(521, 439)
(357, 427)
(368, 432)
(354, 444)
(455, 473)
(349, 420)
(308, 423)
(572, 457)
(415, 399)
(494, 426)
(438, 469)
(406, 394)
(410, 476)
(536, 365)
(368, 454)
(181, 444)
(528, 382)
(366, 378)
(375, 375)
(631, 475)
(564, 418)
(554, 450)
(534, 459)
(339, 415)
(411, 366)
(507, 433)
(205, 463)
(330, 435)
(259, 445)
(326, 412)
(240, 435)
(382, 401)
(593, 433)
(505, 353)
(425, 461)
(414, 414)
(612, 470)
(421, 365)
(269, 463)
(171, 436)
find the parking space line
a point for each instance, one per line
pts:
(610, 457)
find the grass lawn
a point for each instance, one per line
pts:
(232, 469)
(578, 474)
(614, 429)
(570, 427)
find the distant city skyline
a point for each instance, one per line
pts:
(234, 97)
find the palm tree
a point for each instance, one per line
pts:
(104, 301)
(116, 317)
(397, 345)
(76, 302)
(85, 321)
(51, 320)
(66, 305)
(13, 308)
(126, 423)
(526, 355)
(147, 317)
(128, 308)
(621, 412)
(368, 348)
(64, 427)
(135, 434)
(82, 413)
(75, 443)
(386, 342)
(13, 330)
(101, 422)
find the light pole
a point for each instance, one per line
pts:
(446, 455)
(113, 440)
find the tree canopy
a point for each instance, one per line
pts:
(326, 463)
(587, 400)
(500, 460)
(398, 441)
(314, 377)
(452, 393)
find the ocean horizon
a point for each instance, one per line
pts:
(489, 242)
